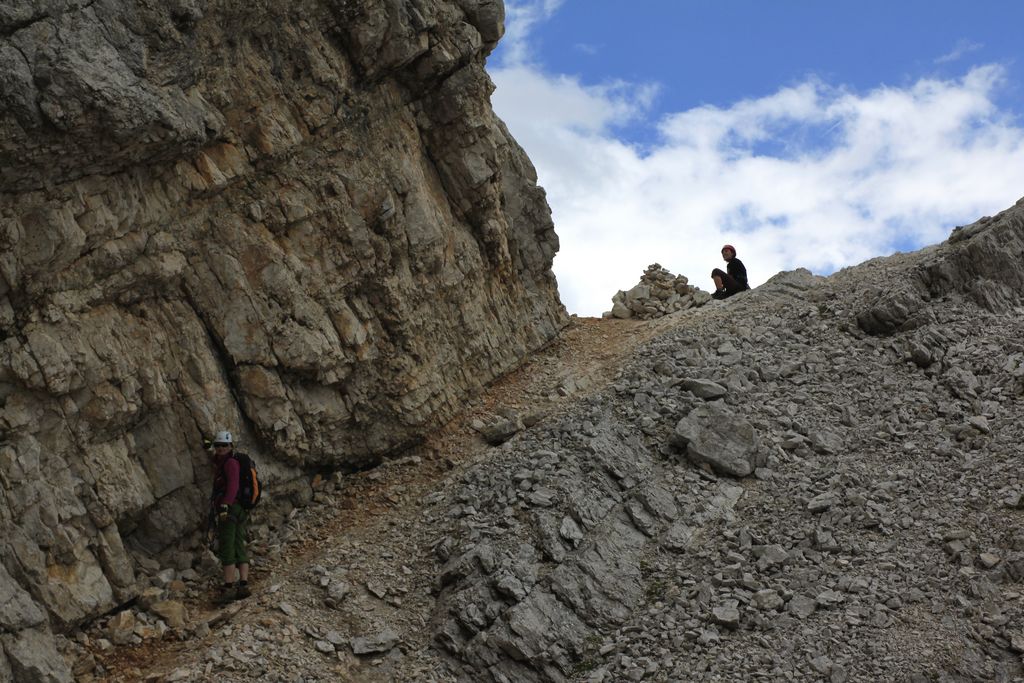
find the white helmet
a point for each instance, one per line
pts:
(223, 437)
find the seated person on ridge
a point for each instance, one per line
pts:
(729, 283)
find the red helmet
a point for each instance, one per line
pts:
(730, 248)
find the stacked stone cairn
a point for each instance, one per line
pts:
(658, 294)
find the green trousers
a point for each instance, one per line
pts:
(231, 536)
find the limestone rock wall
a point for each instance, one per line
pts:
(301, 221)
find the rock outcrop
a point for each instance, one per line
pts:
(981, 261)
(301, 221)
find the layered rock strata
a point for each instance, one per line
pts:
(301, 221)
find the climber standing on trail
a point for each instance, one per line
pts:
(733, 281)
(231, 519)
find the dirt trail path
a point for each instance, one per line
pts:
(373, 534)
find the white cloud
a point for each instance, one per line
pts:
(812, 175)
(520, 19)
(556, 103)
(962, 48)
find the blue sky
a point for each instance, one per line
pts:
(814, 134)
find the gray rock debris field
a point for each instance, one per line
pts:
(879, 538)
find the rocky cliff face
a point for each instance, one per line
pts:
(301, 221)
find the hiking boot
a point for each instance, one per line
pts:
(242, 591)
(228, 595)
(718, 294)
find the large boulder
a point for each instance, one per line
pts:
(17, 609)
(33, 657)
(715, 436)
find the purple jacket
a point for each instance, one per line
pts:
(225, 480)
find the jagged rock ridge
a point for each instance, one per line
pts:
(301, 221)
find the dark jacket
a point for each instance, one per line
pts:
(738, 272)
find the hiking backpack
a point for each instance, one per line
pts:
(249, 489)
